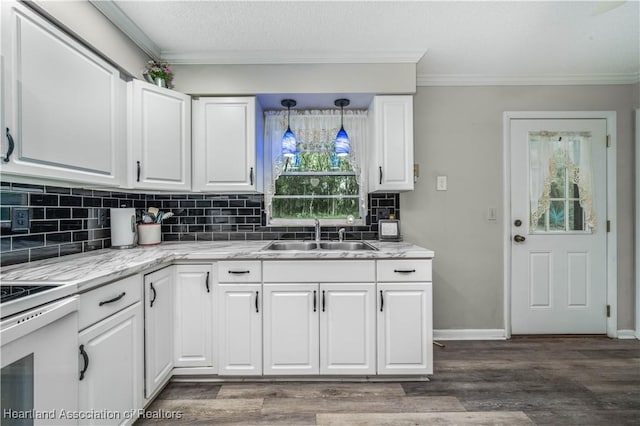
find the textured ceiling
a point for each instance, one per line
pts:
(448, 40)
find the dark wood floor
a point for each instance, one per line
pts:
(522, 381)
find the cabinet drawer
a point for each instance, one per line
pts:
(104, 301)
(405, 270)
(239, 272)
(316, 271)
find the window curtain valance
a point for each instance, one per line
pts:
(315, 130)
(550, 151)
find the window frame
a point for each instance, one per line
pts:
(362, 197)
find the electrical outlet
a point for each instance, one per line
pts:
(20, 219)
(441, 183)
(102, 218)
(383, 213)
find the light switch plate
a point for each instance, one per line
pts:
(492, 213)
(441, 183)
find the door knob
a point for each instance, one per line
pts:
(519, 238)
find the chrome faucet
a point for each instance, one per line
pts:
(341, 233)
(317, 224)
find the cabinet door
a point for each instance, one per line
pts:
(347, 329)
(391, 157)
(112, 381)
(240, 329)
(405, 326)
(225, 145)
(65, 106)
(194, 316)
(158, 323)
(291, 334)
(160, 139)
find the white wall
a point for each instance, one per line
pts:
(300, 78)
(458, 133)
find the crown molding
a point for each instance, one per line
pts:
(291, 57)
(525, 80)
(114, 14)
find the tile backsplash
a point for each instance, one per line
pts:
(75, 220)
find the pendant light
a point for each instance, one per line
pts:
(342, 144)
(289, 142)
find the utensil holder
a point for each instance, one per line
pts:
(149, 234)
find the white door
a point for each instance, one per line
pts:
(405, 321)
(558, 226)
(347, 329)
(291, 335)
(158, 323)
(194, 316)
(240, 332)
(112, 379)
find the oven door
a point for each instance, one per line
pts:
(39, 357)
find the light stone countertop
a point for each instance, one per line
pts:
(91, 269)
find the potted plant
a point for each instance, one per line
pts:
(158, 73)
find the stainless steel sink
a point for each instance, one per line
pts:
(292, 245)
(323, 245)
(346, 245)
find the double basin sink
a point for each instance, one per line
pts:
(321, 245)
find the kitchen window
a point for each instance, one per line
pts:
(315, 183)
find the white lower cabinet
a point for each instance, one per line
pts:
(347, 329)
(194, 327)
(239, 295)
(405, 328)
(319, 327)
(405, 316)
(240, 330)
(111, 352)
(291, 331)
(158, 323)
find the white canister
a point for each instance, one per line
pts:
(123, 227)
(148, 234)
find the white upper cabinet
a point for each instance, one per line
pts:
(391, 149)
(65, 107)
(227, 145)
(159, 138)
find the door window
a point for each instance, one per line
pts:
(560, 186)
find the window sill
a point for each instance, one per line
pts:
(311, 222)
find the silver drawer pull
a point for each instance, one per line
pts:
(404, 271)
(240, 272)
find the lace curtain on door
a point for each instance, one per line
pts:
(554, 156)
(314, 130)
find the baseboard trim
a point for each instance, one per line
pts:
(627, 334)
(470, 334)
